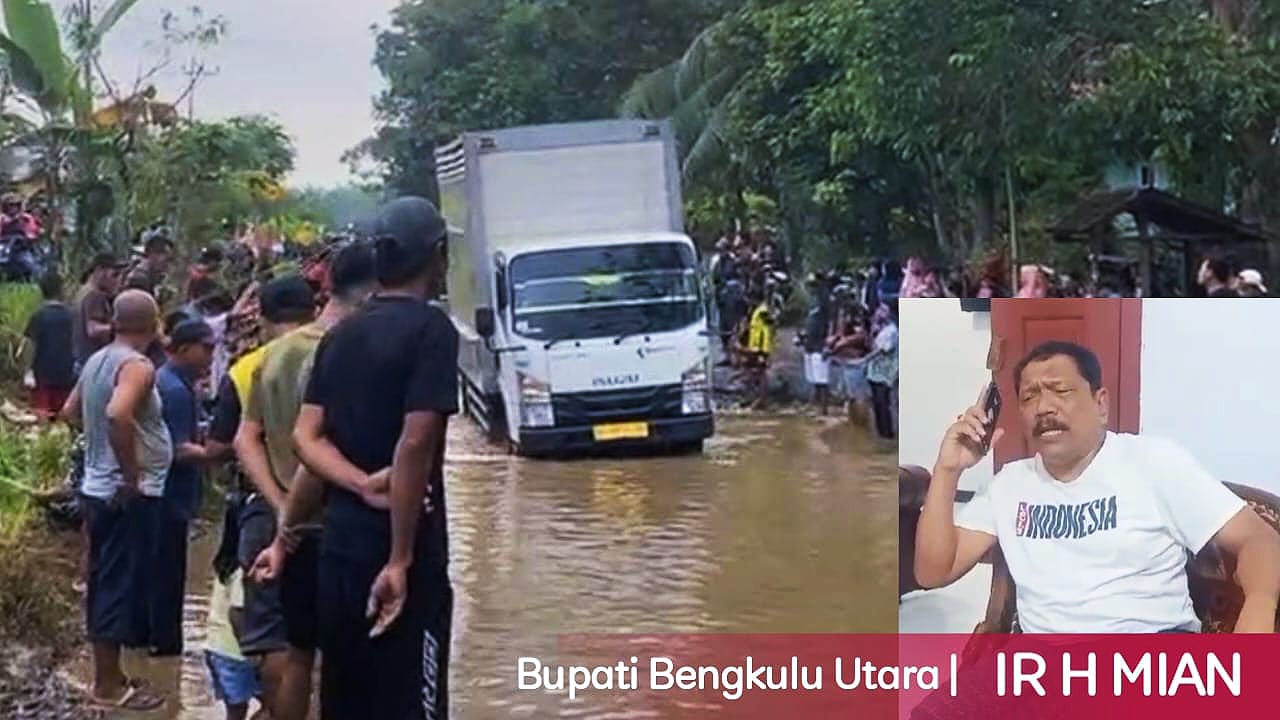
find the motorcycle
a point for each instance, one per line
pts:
(20, 261)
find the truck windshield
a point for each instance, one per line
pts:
(603, 291)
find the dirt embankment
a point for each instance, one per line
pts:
(40, 624)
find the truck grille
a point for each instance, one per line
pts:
(592, 408)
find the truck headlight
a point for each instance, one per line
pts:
(696, 390)
(535, 403)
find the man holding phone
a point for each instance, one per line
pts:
(1096, 527)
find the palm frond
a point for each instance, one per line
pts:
(710, 149)
(699, 63)
(108, 20)
(22, 69)
(653, 95)
(693, 115)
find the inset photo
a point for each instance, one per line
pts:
(1088, 466)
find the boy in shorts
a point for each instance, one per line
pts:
(233, 678)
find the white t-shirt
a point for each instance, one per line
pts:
(1106, 553)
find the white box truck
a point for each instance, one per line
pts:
(574, 288)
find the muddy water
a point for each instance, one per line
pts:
(783, 525)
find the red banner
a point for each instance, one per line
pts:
(916, 677)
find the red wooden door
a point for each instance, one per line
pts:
(1111, 328)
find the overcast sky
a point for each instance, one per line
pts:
(307, 63)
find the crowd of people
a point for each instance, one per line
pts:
(326, 390)
(749, 284)
(1111, 277)
(849, 336)
(850, 344)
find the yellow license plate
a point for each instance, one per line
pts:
(621, 431)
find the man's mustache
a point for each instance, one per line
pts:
(1044, 426)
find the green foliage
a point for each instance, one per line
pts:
(874, 126)
(31, 460)
(35, 594)
(17, 304)
(891, 125)
(22, 70)
(332, 207)
(32, 28)
(201, 174)
(707, 211)
(1197, 97)
(455, 65)
(696, 92)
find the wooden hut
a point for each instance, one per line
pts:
(1150, 220)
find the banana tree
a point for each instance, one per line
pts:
(58, 85)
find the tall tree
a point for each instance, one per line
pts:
(455, 65)
(203, 176)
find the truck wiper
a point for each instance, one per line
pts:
(644, 328)
(594, 327)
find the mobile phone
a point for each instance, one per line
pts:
(992, 407)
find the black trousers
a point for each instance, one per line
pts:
(170, 531)
(882, 404)
(401, 675)
(119, 580)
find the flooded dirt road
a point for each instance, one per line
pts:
(784, 524)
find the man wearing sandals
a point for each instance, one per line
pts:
(127, 454)
(1097, 526)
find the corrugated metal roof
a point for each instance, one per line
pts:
(1171, 214)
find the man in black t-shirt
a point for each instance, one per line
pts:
(383, 385)
(52, 362)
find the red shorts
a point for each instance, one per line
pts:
(48, 401)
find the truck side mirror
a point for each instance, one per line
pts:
(501, 282)
(485, 322)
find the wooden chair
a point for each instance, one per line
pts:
(913, 485)
(1210, 574)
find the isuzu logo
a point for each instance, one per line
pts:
(609, 381)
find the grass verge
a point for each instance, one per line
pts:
(37, 601)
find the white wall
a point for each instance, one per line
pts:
(942, 354)
(1210, 382)
(942, 369)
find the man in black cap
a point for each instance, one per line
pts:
(382, 388)
(190, 353)
(91, 325)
